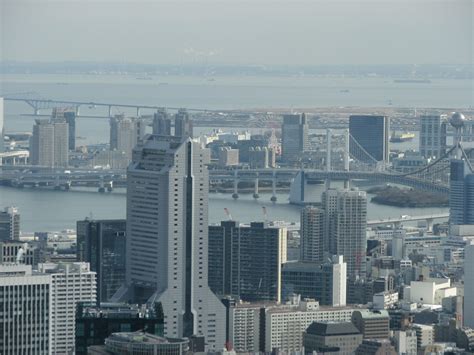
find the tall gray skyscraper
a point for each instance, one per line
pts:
(433, 135)
(372, 133)
(49, 145)
(329, 204)
(70, 117)
(294, 136)
(10, 224)
(2, 131)
(461, 193)
(167, 237)
(312, 234)
(351, 236)
(183, 125)
(161, 123)
(126, 133)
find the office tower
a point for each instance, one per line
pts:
(102, 244)
(49, 145)
(372, 135)
(372, 324)
(70, 283)
(126, 133)
(331, 337)
(326, 282)
(351, 224)
(329, 204)
(469, 285)
(457, 193)
(94, 323)
(167, 236)
(294, 136)
(25, 310)
(10, 224)
(2, 129)
(433, 136)
(161, 123)
(245, 261)
(70, 118)
(469, 199)
(312, 234)
(10, 252)
(183, 125)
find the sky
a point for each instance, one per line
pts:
(258, 32)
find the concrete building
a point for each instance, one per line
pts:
(70, 118)
(431, 291)
(351, 229)
(261, 157)
(372, 324)
(125, 134)
(94, 323)
(312, 234)
(294, 136)
(70, 283)
(433, 135)
(384, 300)
(469, 285)
(228, 157)
(49, 144)
(326, 282)
(2, 129)
(331, 338)
(161, 123)
(424, 335)
(329, 205)
(9, 224)
(245, 260)
(372, 134)
(101, 243)
(461, 191)
(25, 305)
(183, 124)
(244, 327)
(405, 342)
(375, 347)
(10, 252)
(167, 237)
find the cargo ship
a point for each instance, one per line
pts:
(400, 138)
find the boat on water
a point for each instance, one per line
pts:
(400, 138)
(412, 81)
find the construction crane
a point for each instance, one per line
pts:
(227, 212)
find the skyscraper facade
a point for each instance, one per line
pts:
(312, 234)
(433, 135)
(49, 145)
(372, 134)
(457, 191)
(183, 125)
(245, 260)
(469, 286)
(102, 244)
(9, 224)
(125, 133)
(71, 283)
(167, 237)
(70, 118)
(2, 131)
(294, 136)
(329, 204)
(161, 123)
(25, 308)
(351, 224)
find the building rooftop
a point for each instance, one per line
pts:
(115, 310)
(368, 314)
(332, 328)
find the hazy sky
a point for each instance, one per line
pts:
(239, 32)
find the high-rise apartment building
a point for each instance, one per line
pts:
(372, 134)
(10, 224)
(49, 145)
(25, 307)
(183, 124)
(312, 234)
(161, 123)
(469, 285)
(329, 205)
(70, 283)
(351, 224)
(294, 136)
(70, 118)
(167, 237)
(102, 244)
(245, 260)
(126, 133)
(433, 135)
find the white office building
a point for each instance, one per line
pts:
(167, 237)
(70, 283)
(433, 135)
(24, 311)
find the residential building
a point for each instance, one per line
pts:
(294, 136)
(183, 124)
(469, 285)
(370, 137)
(49, 144)
(245, 260)
(167, 237)
(332, 337)
(228, 157)
(325, 282)
(424, 335)
(70, 118)
(384, 300)
(375, 347)
(372, 324)
(405, 342)
(70, 283)
(9, 224)
(433, 135)
(161, 123)
(94, 323)
(312, 234)
(329, 204)
(25, 306)
(244, 327)
(101, 243)
(126, 133)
